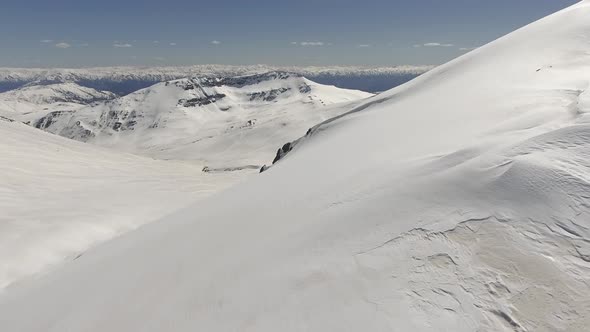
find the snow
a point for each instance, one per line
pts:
(457, 202)
(58, 197)
(233, 123)
(33, 101)
(61, 197)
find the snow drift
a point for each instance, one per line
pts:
(457, 202)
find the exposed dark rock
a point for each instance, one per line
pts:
(188, 86)
(6, 119)
(49, 119)
(201, 101)
(282, 152)
(77, 131)
(241, 81)
(207, 169)
(285, 149)
(130, 124)
(304, 88)
(267, 95)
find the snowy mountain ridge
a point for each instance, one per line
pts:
(198, 118)
(170, 73)
(67, 92)
(124, 80)
(29, 103)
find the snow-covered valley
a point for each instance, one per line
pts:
(459, 201)
(163, 147)
(220, 122)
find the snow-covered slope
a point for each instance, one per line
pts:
(58, 197)
(35, 100)
(458, 202)
(219, 124)
(228, 122)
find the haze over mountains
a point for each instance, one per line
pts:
(124, 80)
(456, 202)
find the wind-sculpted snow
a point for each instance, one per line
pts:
(457, 202)
(59, 197)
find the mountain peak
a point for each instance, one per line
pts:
(160, 120)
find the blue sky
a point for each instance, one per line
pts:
(65, 33)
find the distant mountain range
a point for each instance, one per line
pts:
(124, 80)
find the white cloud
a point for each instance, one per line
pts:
(84, 45)
(156, 41)
(363, 45)
(309, 43)
(436, 45)
(122, 45)
(172, 44)
(467, 48)
(63, 45)
(215, 42)
(47, 41)
(159, 58)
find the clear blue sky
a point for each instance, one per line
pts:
(68, 33)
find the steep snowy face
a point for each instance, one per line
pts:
(198, 118)
(34, 100)
(458, 202)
